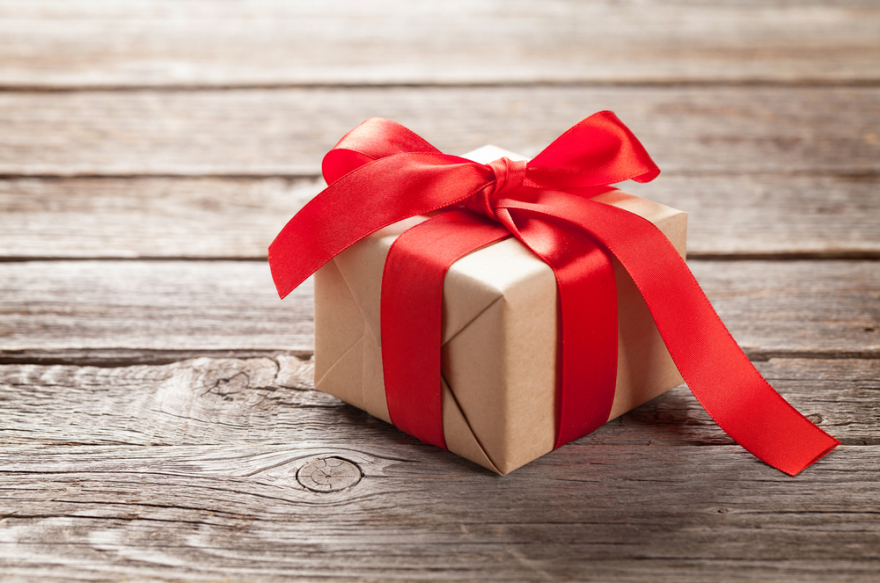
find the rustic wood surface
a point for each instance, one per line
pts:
(773, 308)
(238, 512)
(285, 132)
(87, 43)
(825, 216)
(159, 421)
(270, 400)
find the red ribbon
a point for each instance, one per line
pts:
(381, 173)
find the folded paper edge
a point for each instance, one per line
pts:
(460, 436)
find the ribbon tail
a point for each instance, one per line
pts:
(715, 368)
(411, 321)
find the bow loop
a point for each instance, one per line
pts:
(597, 151)
(373, 139)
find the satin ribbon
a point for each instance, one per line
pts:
(381, 173)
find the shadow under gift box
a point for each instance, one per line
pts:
(499, 338)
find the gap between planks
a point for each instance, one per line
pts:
(867, 174)
(806, 82)
(845, 255)
(119, 358)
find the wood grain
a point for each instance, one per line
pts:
(188, 305)
(216, 401)
(756, 215)
(773, 308)
(147, 217)
(159, 420)
(237, 513)
(688, 130)
(95, 43)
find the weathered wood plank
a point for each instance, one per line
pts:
(232, 468)
(797, 308)
(768, 215)
(210, 305)
(100, 43)
(753, 215)
(147, 217)
(272, 401)
(773, 308)
(238, 513)
(729, 130)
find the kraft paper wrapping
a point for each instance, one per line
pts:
(499, 338)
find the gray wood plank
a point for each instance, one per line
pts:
(238, 513)
(688, 130)
(766, 215)
(177, 305)
(216, 401)
(132, 309)
(273, 42)
(760, 215)
(206, 138)
(147, 217)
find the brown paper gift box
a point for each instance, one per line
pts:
(499, 338)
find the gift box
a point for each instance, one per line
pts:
(536, 303)
(499, 351)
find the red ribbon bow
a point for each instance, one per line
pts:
(381, 173)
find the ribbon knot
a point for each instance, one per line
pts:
(509, 175)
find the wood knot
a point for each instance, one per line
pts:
(329, 474)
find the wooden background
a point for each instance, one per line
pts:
(157, 416)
